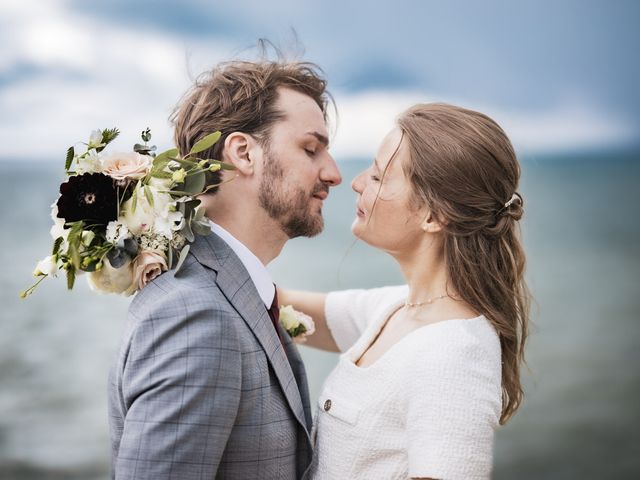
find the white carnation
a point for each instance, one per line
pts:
(116, 231)
(167, 222)
(89, 163)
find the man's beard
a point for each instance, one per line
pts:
(289, 208)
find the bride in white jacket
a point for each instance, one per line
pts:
(429, 369)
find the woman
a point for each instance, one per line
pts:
(429, 369)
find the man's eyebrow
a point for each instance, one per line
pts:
(323, 139)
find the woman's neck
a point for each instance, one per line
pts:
(425, 272)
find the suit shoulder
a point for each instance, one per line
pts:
(191, 278)
(172, 296)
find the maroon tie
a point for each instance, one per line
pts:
(274, 312)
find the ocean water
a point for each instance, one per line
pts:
(581, 415)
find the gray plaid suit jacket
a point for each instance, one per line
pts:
(202, 387)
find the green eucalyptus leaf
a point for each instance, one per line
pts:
(70, 154)
(183, 256)
(71, 277)
(194, 183)
(167, 156)
(148, 195)
(144, 149)
(74, 239)
(201, 227)
(187, 232)
(186, 163)
(161, 174)
(56, 246)
(205, 143)
(134, 200)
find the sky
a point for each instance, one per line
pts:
(557, 75)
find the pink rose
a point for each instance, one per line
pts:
(122, 166)
(147, 266)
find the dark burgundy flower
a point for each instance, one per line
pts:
(91, 197)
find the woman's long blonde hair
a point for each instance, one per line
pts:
(463, 166)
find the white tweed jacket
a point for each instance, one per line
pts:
(427, 408)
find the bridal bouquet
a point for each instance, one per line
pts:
(124, 218)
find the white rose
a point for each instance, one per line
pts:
(288, 317)
(147, 266)
(113, 280)
(292, 319)
(130, 165)
(160, 184)
(143, 218)
(46, 266)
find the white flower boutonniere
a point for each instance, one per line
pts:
(297, 324)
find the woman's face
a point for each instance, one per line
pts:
(385, 218)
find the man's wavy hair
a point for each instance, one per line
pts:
(240, 96)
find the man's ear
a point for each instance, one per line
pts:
(236, 151)
(431, 224)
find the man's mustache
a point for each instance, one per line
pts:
(320, 188)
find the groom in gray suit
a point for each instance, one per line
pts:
(207, 384)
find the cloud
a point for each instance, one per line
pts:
(67, 74)
(364, 118)
(64, 73)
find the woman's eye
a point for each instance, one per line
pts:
(310, 152)
(375, 178)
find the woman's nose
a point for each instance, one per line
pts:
(356, 183)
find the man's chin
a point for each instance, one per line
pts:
(306, 227)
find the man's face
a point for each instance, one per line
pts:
(297, 167)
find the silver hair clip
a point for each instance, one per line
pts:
(514, 197)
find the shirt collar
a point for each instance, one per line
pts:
(257, 271)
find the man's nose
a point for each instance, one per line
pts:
(330, 173)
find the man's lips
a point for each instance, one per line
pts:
(321, 195)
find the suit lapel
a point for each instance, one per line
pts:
(297, 366)
(236, 285)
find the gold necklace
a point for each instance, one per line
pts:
(426, 302)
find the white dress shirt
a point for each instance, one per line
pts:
(257, 271)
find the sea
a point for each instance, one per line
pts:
(581, 414)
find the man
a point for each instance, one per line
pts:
(206, 384)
